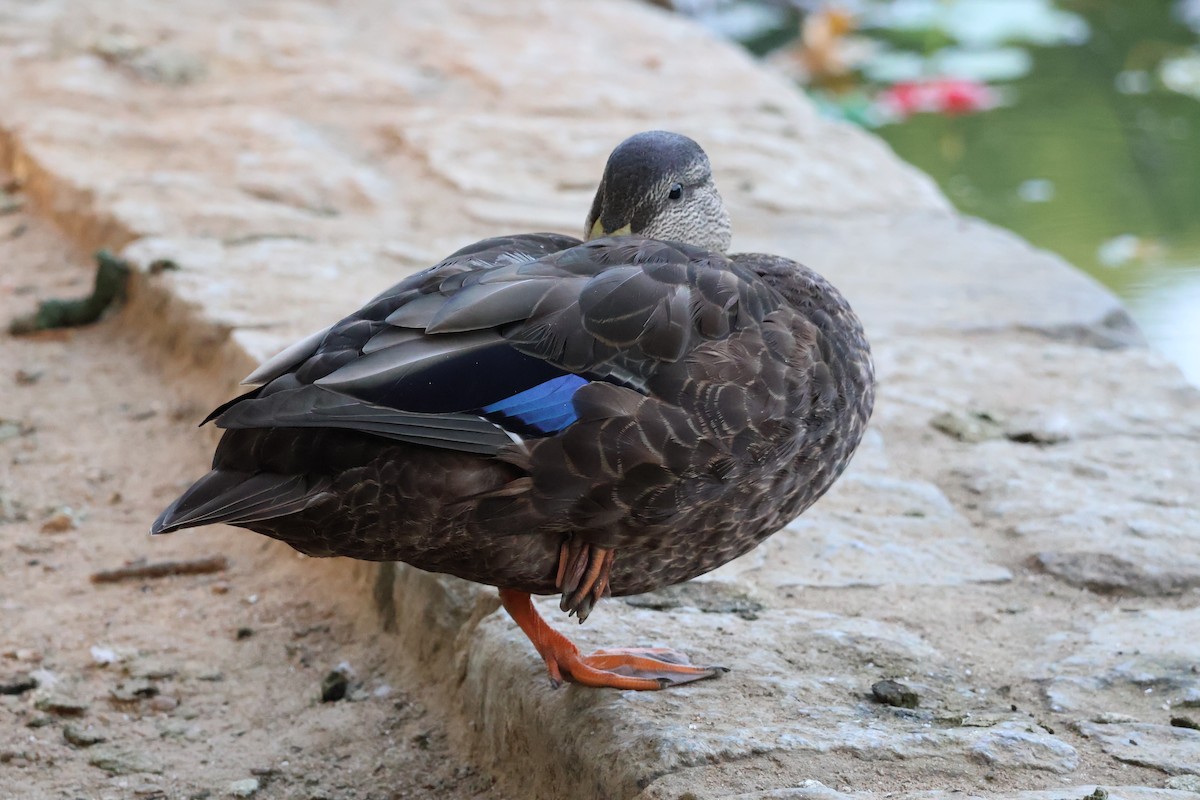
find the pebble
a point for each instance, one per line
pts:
(894, 693)
(164, 703)
(61, 704)
(1046, 429)
(973, 427)
(28, 377)
(118, 762)
(82, 737)
(18, 685)
(103, 655)
(247, 787)
(60, 521)
(132, 691)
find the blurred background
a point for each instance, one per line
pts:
(1075, 123)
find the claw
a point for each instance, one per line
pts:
(583, 571)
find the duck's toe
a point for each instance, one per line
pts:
(644, 668)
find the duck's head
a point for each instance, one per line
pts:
(659, 185)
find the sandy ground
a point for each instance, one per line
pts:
(191, 686)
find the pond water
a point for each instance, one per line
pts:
(1075, 123)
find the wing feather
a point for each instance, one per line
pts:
(432, 360)
(237, 497)
(317, 407)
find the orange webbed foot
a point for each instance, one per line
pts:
(646, 668)
(641, 668)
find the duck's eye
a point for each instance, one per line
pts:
(676, 191)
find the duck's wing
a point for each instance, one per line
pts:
(470, 360)
(477, 352)
(344, 335)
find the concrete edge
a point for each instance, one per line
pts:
(434, 623)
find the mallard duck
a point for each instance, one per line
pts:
(551, 416)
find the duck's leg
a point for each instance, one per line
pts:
(633, 668)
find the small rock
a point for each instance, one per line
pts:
(81, 737)
(132, 691)
(1051, 429)
(18, 685)
(163, 703)
(121, 762)
(244, 633)
(972, 427)
(153, 669)
(1184, 783)
(116, 47)
(61, 520)
(28, 377)
(1185, 722)
(247, 787)
(103, 655)
(61, 704)
(894, 693)
(1099, 793)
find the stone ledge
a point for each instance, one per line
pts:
(916, 566)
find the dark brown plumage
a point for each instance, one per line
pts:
(545, 415)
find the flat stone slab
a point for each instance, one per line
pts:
(1022, 511)
(1135, 661)
(815, 790)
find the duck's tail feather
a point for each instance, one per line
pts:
(235, 498)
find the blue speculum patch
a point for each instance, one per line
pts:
(543, 409)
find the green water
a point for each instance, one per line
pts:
(1069, 161)
(1118, 163)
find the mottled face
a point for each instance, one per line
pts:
(659, 184)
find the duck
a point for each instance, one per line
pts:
(554, 416)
